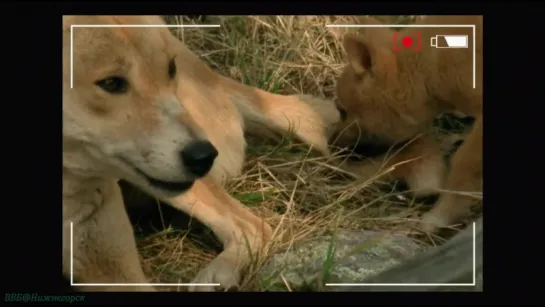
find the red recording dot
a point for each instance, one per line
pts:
(407, 41)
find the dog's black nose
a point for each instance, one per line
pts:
(198, 157)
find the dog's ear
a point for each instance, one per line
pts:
(66, 22)
(154, 20)
(339, 32)
(366, 54)
(359, 53)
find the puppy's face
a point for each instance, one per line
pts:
(372, 98)
(122, 110)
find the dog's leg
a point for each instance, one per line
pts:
(104, 248)
(418, 166)
(424, 175)
(308, 118)
(240, 231)
(465, 176)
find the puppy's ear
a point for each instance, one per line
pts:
(338, 32)
(154, 20)
(66, 22)
(369, 55)
(359, 53)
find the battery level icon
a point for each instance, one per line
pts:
(449, 41)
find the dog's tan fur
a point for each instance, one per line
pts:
(148, 126)
(393, 96)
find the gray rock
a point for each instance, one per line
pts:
(458, 261)
(357, 255)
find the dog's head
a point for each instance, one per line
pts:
(120, 108)
(376, 95)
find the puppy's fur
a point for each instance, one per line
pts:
(140, 98)
(388, 97)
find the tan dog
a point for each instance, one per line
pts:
(146, 109)
(388, 97)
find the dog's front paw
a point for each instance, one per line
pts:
(431, 222)
(314, 118)
(324, 107)
(222, 271)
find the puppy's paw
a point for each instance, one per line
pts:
(222, 271)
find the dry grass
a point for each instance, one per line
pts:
(299, 194)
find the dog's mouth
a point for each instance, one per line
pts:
(170, 186)
(368, 149)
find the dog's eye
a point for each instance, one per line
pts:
(113, 85)
(171, 69)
